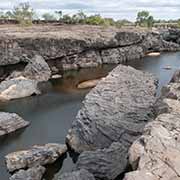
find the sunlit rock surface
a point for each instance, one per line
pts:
(38, 155)
(18, 87)
(10, 122)
(156, 154)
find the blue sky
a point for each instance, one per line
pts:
(118, 9)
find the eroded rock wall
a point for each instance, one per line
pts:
(74, 47)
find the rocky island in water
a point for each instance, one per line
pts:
(127, 127)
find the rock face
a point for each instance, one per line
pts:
(72, 47)
(156, 154)
(172, 35)
(77, 175)
(10, 122)
(38, 155)
(34, 173)
(116, 110)
(23, 84)
(104, 163)
(37, 69)
(18, 88)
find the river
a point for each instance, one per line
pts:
(52, 113)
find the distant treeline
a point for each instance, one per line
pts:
(24, 15)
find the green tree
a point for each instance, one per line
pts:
(150, 22)
(48, 17)
(23, 13)
(59, 14)
(95, 20)
(144, 19)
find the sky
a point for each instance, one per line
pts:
(117, 9)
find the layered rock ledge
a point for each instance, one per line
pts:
(72, 47)
(156, 154)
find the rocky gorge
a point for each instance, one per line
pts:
(107, 130)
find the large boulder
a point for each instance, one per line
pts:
(10, 122)
(18, 87)
(116, 110)
(104, 163)
(34, 173)
(38, 155)
(77, 175)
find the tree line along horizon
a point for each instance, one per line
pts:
(24, 14)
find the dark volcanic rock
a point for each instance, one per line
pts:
(77, 175)
(10, 122)
(77, 46)
(37, 69)
(34, 173)
(104, 163)
(116, 110)
(38, 155)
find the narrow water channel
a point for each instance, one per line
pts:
(52, 113)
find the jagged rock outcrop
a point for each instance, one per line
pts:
(10, 122)
(38, 155)
(104, 163)
(34, 173)
(77, 175)
(72, 47)
(156, 154)
(116, 110)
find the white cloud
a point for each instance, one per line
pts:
(119, 9)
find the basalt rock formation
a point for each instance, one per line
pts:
(38, 155)
(24, 83)
(172, 35)
(116, 110)
(113, 115)
(156, 154)
(72, 47)
(10, 122)
(77, 175)
(34, 173)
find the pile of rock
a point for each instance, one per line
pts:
(23, 84)
(113, 115)
(156, 154)
(33, 161)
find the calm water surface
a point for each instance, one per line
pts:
(52, 113)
